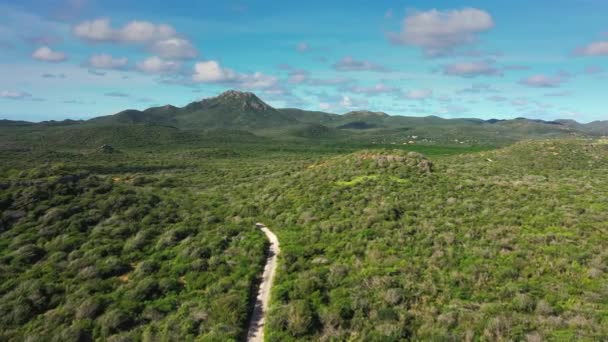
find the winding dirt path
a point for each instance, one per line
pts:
(258, 318)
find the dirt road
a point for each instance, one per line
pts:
(258, 318)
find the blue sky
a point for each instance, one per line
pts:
(487, 59)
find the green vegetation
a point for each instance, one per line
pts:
(94, 250)
(153, 237)
(238, 117)
(376, 244)
(511, 248)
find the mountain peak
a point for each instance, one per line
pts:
(242, 99)
(236, 94)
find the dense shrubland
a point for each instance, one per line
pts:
(87, 256)
(377, 245)
(508, 244)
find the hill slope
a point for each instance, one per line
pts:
(231, 109)
(244, 111)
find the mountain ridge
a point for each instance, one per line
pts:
(246, 112)
(247, 101)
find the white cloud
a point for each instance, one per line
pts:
(471, 69)
(350, 64)
(97, 30)
(497, 98)
(116, 94)
(520, 102)
(346, 101)
(440, 32)
(350, 103)
(157, 65)
(303, 47)
(174, 48)
(48, 55)
(418, 94)
(330, 81)
(105, 61)
(14, 95)
(213, 72)
(594, 49)
(96, 72)
(51, 75)
(593, 70)
(542, 81)
(379, 88)
(143, 31)
(478, 88)
(298, 76)
(100, 30)
(257, 80)
(559, 94)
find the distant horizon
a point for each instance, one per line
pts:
(279, 108)
(76, 59)
(343, 113)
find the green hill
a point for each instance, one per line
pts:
(246, 113)
(231, 109)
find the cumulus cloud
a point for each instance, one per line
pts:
(160, 39)
(116, 94)
(452, 111)
(379, 88)
(324, 106)
(174, 48)
(14, 95)
(520, 102)
(497, 98)
(543, 81)
(558, 94)
(303, 47)
(348, 102)
(257, 80)
(418, 94)
(51, 75)
(43, 39)
(478, 88)
(336, 81)
(212, 72)
(350, 64)
(298, 76)
(440, 32)
(338, 103)
(472, 69)
(96, 72)
(280, 94)
(157, 65)
(516, 67)
(101, 30)
(593, 70)
(98, 30)
(46, 54)
(594, 49)
(106, 61)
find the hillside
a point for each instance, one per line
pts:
(498, 245)
(231, 109)
(376, 244)
(247, 114)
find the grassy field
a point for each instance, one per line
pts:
(379, 242)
